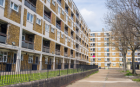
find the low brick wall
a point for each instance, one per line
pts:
(60, 81)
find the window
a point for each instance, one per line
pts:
(15, 58)
(99, 38)
(120, 59)
(21, 57)
(23, 37)
(91, 54)
(99, 49)
(30, 59)
(99, 64)
(58, 9)
(90, 34)
(53, 2)
(61, 35)
(99, 44)
(114, 59)
(113, 54)
(46, 60)
(91, 49)
(99, 59)
(49, 1)
(99, 34)
(62, 12)
(129, 59)
(105, 64)
(3, 56)
(65, 39)
(136, 59)
(99, 54)
(52, 30)
(47, 28)
(29, 17)
(2, 2)
(129, 53)
(38, 21)
(58, 34)
(113, 48)
(105, 54)
(114, 64)
(14, 6)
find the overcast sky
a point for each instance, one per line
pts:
(93, 12)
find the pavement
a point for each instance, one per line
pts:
(106, 78)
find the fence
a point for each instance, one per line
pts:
(30, 72)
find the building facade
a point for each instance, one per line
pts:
(41, 34)
(104, 55)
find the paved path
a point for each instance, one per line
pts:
(106, 78)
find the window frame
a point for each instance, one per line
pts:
(52, 30)
(37, 21)
(30, 57)
(30, 17)
(3, 4)
(46, 28)
(13, 6)
(53, 2)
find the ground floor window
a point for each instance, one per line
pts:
(30, 59)
(3, 56)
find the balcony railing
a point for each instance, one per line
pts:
(46, 49)
(66, 11)
(28, 45)
(58, 26)
(66, 32)
(59, 2)
(2, 38)
(57, 52)
(71, 55)
(30, 5)
(71, 36)
(66, 54)
(47, 18)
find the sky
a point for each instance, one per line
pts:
(93, 12)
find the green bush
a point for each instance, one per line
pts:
(137, 80)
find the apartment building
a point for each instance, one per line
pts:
(45, 34)
(104, 55)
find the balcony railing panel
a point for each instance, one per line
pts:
(58, 26)
(2, 38)
(46, 49)
(30, 5)
(28, 45)
(57, 52)
(47, 18)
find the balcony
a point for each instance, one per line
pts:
(71, 55)
(66, 32)
(59, 2)
(2, 38)
(66, 54)
(57, 52)
(58, 26)
(30, 5)
(28, 45)
(46, 49)
(47, 18)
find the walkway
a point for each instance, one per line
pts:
(106, 78)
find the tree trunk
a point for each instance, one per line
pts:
(124, 62)
(133, 63)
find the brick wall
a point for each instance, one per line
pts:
(52, 47)
(62, 50)
(37, 42)
(24, 17)
(13, 35)
(37, 27)
(53, 19)
(10, 13)
(51, 34)
(39, 8)
(53, 7)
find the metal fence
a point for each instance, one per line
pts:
(29, 70)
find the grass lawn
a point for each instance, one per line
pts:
(20, 78)
(137, 80)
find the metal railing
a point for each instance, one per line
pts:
(30, 5)
(57, 52)
(30, 71)
(47, 18)
(46, 49)
(58, 26)
(66, 54)
(66, 32)
(2, 38)
(28, 45)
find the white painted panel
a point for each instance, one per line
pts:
(1, 11)
(48, 4)
(29, 26)
(47, 34)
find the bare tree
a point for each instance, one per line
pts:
(115, 25)
(128, 13)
